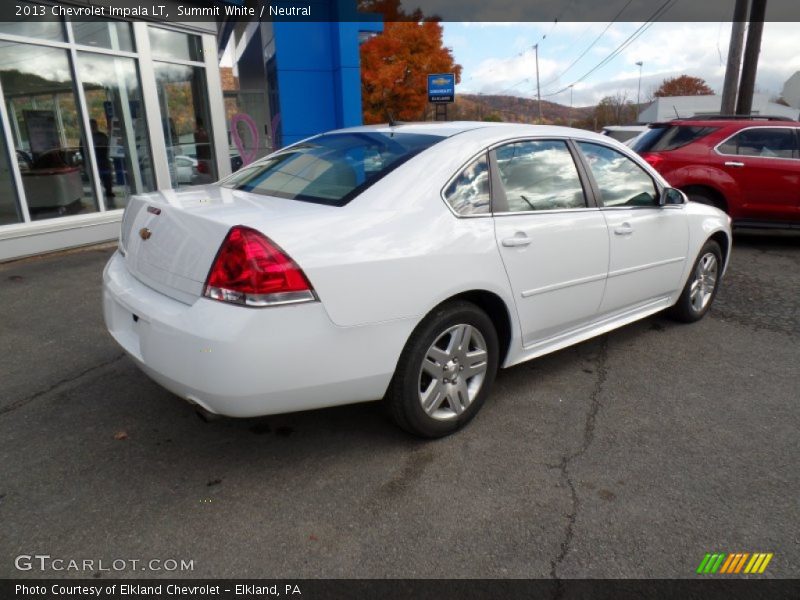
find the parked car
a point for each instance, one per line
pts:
(623, 133)
(748, 167)
(402, 262)
(186, 170)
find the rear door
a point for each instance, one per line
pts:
(765, 163)
(552, 239)
(648, 243)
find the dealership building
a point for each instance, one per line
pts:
(95, 111)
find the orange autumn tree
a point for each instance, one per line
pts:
(685, 85)
(395, 65)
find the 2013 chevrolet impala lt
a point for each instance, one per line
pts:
(403, 262)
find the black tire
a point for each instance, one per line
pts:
(404, 397)
(686, 309)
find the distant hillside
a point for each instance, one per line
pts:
(516, 110)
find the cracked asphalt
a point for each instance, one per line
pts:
(631, 455)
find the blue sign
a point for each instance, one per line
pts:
(442, 87)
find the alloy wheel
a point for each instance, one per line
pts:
(452, 372)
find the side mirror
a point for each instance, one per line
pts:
(671, 196)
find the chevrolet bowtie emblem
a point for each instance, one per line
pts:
(145, 233)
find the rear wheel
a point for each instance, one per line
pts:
(701, 288)
(445, 371)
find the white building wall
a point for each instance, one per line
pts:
(791, 90)
(672, 107)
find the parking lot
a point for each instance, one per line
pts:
(631, 455)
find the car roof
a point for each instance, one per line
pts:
(451, 128)
(732, 122)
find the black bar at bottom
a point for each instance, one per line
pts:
(439, 589)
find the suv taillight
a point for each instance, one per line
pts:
(251, 270)
(653, 159)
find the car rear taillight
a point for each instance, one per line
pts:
(653, 159)
(251, 270)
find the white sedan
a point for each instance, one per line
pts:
(403, 262)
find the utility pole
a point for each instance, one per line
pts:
(639, 90)
(729, 88)
(569, 123)
(538, 91)
(747, 85)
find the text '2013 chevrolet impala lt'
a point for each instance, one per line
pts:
(404, 262)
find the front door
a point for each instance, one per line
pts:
(765, 164)
(648, 243)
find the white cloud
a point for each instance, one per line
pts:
(666, 49)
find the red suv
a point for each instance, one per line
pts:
(747, 166)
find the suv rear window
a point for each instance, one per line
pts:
(670, 137)
(330, 169)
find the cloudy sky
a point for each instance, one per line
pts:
(498, 57)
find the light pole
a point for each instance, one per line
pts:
(569, 123)
(639, 90)
(538, 91)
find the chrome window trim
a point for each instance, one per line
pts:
(796, 128)
(485, 154)
(644, 165)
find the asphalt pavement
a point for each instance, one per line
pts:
(631, 455)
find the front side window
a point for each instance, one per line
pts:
(329, 169)
(621, 181)
(765, 142)
(468, 193)
(538, 175)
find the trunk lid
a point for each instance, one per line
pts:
(170, 238)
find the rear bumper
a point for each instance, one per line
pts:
(244, 362)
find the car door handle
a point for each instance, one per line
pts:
(734, 163)
(516, 241)
(624, 229)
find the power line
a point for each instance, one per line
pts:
(619, 49)
(590, 46)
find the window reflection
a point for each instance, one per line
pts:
(46, 129)
(468, 193)
(118, 126)
(621, 181)
(33, 24)
(538, 175)
(183, 97)
(113, 35)
(9, 202)
(172, 45)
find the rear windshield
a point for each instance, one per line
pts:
(664, 138)
(330, 169)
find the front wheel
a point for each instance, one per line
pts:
(701, 288)
(445, 371)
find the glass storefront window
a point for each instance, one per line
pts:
(183, 99)
(113, 35)
(173, 45)
(118, 126)
(9, 207)
(47, 129)
(33, 24)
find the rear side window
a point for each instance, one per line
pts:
(468, 193)
(621, 181)
(330, 169)
(538, 175)
(765, 142)
(663, 139)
